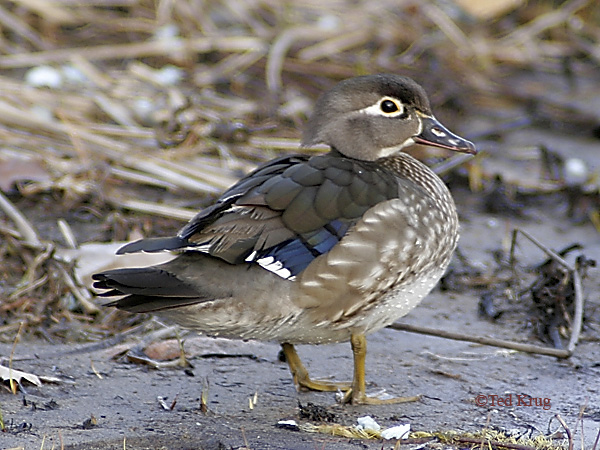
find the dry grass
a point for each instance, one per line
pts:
(158, 105)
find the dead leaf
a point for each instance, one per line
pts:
(93, 257)
(7, 374)
(15, 169)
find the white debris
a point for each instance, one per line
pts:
(169, 75)
(287, 423)
(42, 112)
(397, 432)
(143, 108)
(166, 32)
(576, 171)
(73, 74)
(329, 22)
(162, 401)
(44, 76)
(368, 423)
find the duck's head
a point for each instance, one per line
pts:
(375, 116)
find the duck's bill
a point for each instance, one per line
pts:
(437, 135)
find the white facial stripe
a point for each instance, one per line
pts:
(387, 151)
(375, 110)
(407, 143)
(420, 129)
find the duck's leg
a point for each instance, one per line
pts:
(301, 377)
(357, 394)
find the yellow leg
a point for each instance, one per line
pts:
(301, 377)
(357, 394)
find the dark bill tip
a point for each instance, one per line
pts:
(437, 135)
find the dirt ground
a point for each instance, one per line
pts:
(454, 378)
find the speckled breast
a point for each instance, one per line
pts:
(386, 264)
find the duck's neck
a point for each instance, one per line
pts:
(409, 168)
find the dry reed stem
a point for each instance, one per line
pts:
(28, 233)
(182, 48)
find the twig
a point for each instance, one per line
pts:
(135, 50)
(18, 26)
(538, 244)
(40, 259)
(246, 446)
(564, 425)
(578, 290)
(81, 294)
(450, 163)
(448, 27)
(486, 443)
(29, 286)
(28, 233)
(335, 45)
(578, 312)
(543, 22)
(596, 441)
(204, 396)
(51, 12)
(280, 48)
(141, 178)
(171, 212)
(67, 233)
(11, 381)
(528, 348)
(580, 420)
(98, 374)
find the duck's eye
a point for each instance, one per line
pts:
(389, 106)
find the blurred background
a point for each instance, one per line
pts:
(122, 118)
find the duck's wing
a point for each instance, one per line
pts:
(284, 214)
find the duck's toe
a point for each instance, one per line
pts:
(302, 378)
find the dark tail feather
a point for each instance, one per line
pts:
(144, 304)
(145, 281)
(153, 245)
(148, 289)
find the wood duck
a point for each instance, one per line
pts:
(314, 249)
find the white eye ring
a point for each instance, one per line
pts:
(387, 107)
(391, 107)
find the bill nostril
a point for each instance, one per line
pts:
(438, 132)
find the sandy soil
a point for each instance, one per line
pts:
(454, 378)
